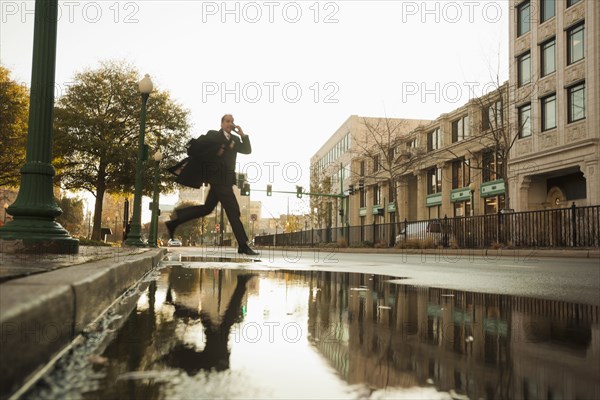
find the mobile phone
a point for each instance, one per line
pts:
(234, 128)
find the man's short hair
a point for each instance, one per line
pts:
(226, 115)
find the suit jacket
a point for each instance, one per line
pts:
(204, 165)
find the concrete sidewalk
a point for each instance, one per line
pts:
(46, 300)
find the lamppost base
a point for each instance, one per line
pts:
(36, 236)
(135, 242)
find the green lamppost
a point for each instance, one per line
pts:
(472, 187)
(33, 228)
(134, 236)
(153, 239)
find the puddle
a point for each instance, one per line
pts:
(227, 333)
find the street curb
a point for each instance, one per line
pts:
(41, 314)
(493, 253)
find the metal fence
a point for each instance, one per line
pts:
(564, 227)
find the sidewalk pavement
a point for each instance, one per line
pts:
(517, 252)
(46, 300)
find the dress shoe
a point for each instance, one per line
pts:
(171, 225)
(247, 251)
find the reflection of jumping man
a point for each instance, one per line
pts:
(216, 352)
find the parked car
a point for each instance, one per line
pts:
(422, 230)
(174, 243)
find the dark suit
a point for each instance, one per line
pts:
(204, 165)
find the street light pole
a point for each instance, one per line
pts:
(134, 235)
(153, 237)
(34, 228)
(472, 187)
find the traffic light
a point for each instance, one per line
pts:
(245, 189)
(299, 192)
(241, 180)
(351, 189)
(380, 211)
(269, 190)
(341, 212)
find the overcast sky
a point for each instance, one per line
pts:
(290, 72)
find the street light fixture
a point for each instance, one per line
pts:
(134, 235)
(153, 237)
(472, 187)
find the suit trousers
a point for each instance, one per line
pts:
(223, 194)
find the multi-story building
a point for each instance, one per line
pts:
(555, 103)
(426, 170)
(457, 169)
(341, 165)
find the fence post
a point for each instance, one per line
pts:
(445, 229)
(574, 223)
(405, 229)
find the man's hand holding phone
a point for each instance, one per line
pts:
(238, 129)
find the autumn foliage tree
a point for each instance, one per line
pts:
(96, 128)
(14, 112)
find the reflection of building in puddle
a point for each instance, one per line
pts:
(482, 345)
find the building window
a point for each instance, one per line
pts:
(391, 192)
(460, 129)
(549, 112)
(494, 204)
(376, 163)
(362, 168)
(548, 59)
(376, 195)
(576, 102)
(572, 2)
(524, 69)
(434, 181)
(461, 174)
(575, 37)
(492, 116)
(523, 18)
(391, 154)
(462, 208)
(492, 166)
(362, 195)
(524, 121)
(548, 10)
(347, 171)
(434, 140)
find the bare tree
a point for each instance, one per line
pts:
(390, 150)
(495, 135)
(319, 184)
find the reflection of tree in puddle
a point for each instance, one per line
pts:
(215, 354)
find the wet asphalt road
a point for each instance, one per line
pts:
(528, 274)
